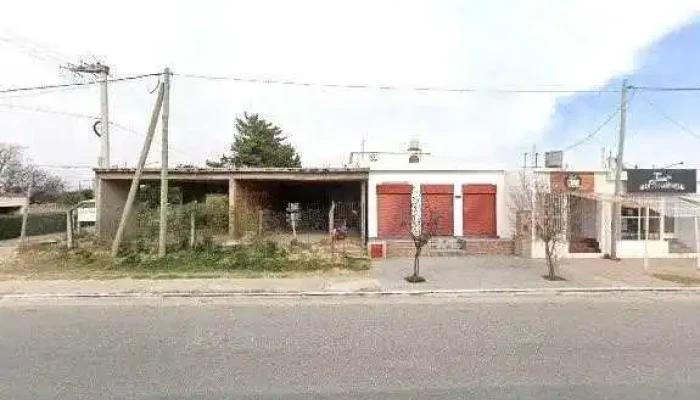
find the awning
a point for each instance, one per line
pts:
(673, 205)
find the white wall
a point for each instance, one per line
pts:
(635, 248)
(685, 231)
(625, 249)
(458, 178)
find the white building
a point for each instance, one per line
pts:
(658, 213)
(465, 202)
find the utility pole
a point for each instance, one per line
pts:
(615, 208)
(163, 228)
(137, 174)
(103, 71)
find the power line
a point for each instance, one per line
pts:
(665, 89)
(36, 49)
(40, 92)
(64, 85)
(88, 117)
(50, 111)
(663, 114)
(473, 89)
(600, 127)
(64, 166)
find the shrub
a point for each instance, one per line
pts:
(37, 224)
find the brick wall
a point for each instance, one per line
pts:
(486, 247)
(501, 247)
(393, 209)
(558, 181)
(438, 204)
(523, 234)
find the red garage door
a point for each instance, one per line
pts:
(479, 203)
(438, 205)
(394, 209)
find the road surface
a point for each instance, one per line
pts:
(509, 348)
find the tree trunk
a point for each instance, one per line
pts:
(416, 262)
(550, 261)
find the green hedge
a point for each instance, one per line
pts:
(37, 224)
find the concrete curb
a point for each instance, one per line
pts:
(385, 293)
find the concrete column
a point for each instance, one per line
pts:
(110, 203)
(363, 210)
(662, 220)
(458, 210)
(98, 207)
(232, 206)
(372, 209)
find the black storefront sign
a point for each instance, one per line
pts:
(661, 181)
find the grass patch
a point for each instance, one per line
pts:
(258, 259)
(679, 279)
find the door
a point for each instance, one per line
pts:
(438, 205)
(479, 210)
(394, 210)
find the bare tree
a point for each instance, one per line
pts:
(422, 226)
(549, 226)
(531, 194)
(16, 174)
(10, 165)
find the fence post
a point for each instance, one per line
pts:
(260, 221)
(331, 223)
(25, 213)
(69, 229)
(192, 225)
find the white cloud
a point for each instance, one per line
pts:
(455, 43)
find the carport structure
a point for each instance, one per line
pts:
(252, 192)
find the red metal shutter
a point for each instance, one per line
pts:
(394, 210)
(479, 206)
(438, 204)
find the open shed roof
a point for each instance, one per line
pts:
(195, 174)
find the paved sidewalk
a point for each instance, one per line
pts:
(442, 274)
(475, 272)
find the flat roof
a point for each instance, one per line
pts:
(302, 174)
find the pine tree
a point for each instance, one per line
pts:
(258, 143)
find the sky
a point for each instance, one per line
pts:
(548, 44)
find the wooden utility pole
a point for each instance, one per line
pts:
(137, 175)
(163, 228)
(615, 206)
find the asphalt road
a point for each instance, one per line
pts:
(524, 348)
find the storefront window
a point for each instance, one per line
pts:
(632, 224)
